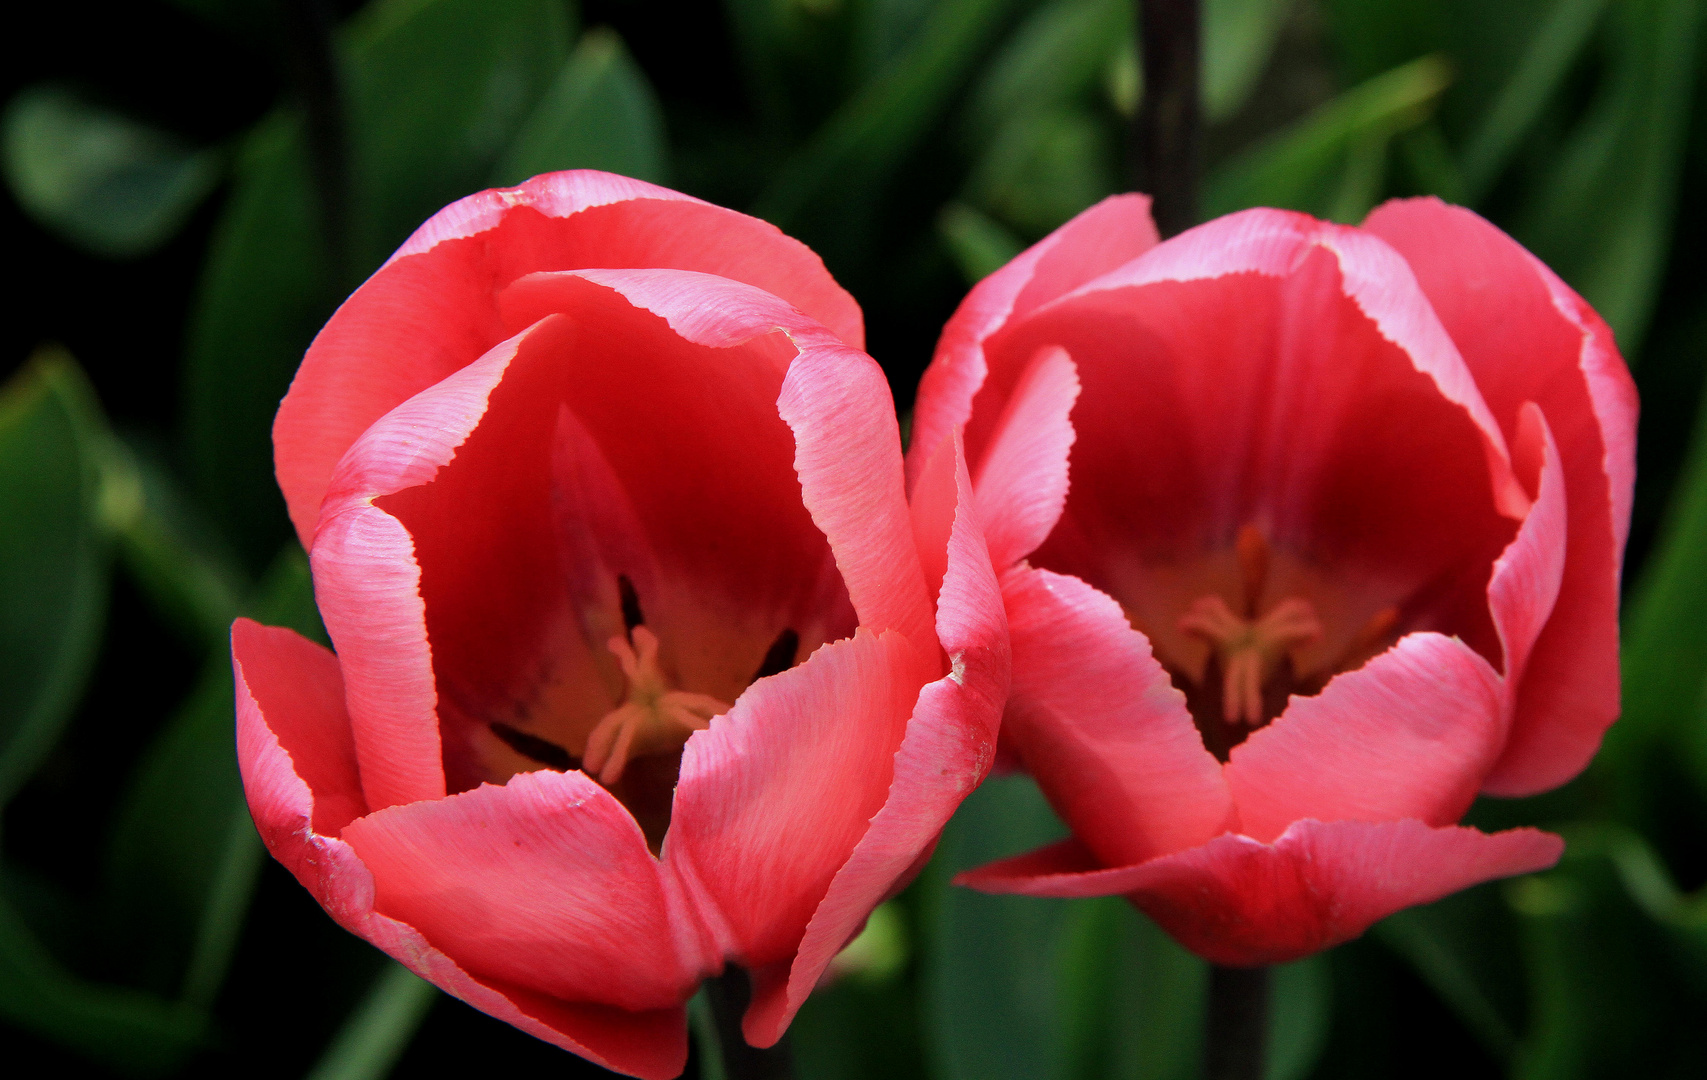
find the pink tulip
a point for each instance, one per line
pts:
(644, 663)
(1341, 550)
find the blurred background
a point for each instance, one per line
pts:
(191, 187)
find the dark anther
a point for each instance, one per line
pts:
(546, 753)
(631, 616)
(780, 656)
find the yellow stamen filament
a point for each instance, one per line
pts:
(652, 719)
(1250, 649)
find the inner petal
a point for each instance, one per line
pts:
(615, 553)
(1246, 405)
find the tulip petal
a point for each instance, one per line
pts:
(544, 882)
(947, 751)
(1334, 388)
(368, 581)
(848, 456)
(1022, 481)
(305, 714)
(430, 309)
(674, 378)
(1239, 902)
(1408, 735)
(775, 793)
(1524, 587)
(291, 724)
(1114, 231)
(1527, 337)
(1099, 724)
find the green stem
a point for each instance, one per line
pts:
(727, 996)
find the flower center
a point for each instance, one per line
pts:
(1254, 662)
(652, 719)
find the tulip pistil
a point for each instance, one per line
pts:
(652, 719)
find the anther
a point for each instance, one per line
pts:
(546, 753)
(1251, 650)
(652, 719)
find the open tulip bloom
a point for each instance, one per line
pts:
(1340, 549)
(644, 663)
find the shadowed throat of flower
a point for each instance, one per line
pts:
(1255, 661)
(635, 749)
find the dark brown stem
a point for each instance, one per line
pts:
(1236, 1027)
(728, 995)
(1167, 138)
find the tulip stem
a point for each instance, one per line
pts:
(727, 996)
(1167, 136)
(1236, 1027)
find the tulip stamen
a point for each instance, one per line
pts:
(1251, 651)
(652, 719)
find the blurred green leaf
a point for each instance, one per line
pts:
(183, 858)
(859, 149)
(1664, 651)
(1043, 167)
(177, 558)
(1238, 38)
(53, 558)
(1329, 163)
(1134, 997)
(102, 181)
(979, 246)
(132, 1033)
(1299, 1012)
(991, 1000)
(1602, 214)
(1605, 992)
(436, 90)
(865, 1023)
(377, 1033)
(1464, 947)
(268, 284)
(1546, 60)
(1057, 57)
(599, 113)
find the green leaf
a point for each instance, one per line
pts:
(377, 1033)
(1134, 997)
(1057, 57)
(1608, 994)
(979, 245)
(184, 856)
(437, 90)
(132, 1033)
(1044, 166)
(1537, 78)
(1330, 162)
(102, 181)
(176, 557)
(599, 113)
(861, 146)
(1238, 38)
(1299, 1012)
(1665, 654)
(268, 284)
(1464, 947)
(53, 558)
(991, 1000)
(1602, 214)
